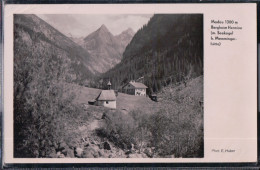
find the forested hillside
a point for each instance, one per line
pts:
(168, 49)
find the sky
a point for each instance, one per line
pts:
(81, 25)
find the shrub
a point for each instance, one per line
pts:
(119, 128)
(168, 132)
(177, 132)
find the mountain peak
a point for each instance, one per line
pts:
(106, 48)
(128, 31)
(102, 32)
(103, 28)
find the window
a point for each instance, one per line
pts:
(106, 102)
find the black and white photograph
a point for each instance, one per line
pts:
(108, 86)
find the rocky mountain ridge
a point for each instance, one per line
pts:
(105, 47)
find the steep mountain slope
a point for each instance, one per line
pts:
(36, 34)
(168, 49)
(104, 47)
(125, 37)
(44, 59)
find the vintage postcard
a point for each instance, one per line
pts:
(130, 83)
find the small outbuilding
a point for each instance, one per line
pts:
(106, 98)
(135, 88)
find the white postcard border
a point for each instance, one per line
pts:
(230, 80)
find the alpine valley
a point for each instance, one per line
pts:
(64, 85)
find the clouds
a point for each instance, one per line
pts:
(81, 25)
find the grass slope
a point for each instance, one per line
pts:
(181, 104)
(124, 101)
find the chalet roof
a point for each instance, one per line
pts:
(106, 95)
(137, 85)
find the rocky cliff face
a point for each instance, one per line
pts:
(106, 48)
(125, 37)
